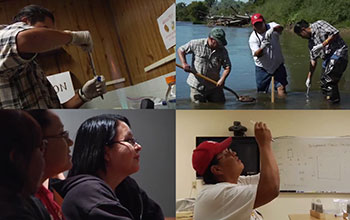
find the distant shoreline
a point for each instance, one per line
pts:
(343, 30)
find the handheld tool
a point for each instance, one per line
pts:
(272, 89)
(307, 92)
(94, 69)
(239, 98)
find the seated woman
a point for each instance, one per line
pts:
(57, 158)
(21, 166)
(105, 153)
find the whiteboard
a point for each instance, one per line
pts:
(309, 164)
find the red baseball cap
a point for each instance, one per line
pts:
(257, 18)
(205, 152)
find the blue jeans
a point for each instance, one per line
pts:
(263, 78)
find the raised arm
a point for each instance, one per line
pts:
(278, 29)
(38, 40)
(269, 183)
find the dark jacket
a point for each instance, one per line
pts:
(137, 202)
(88, 197)
(14, 207)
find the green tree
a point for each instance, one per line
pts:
(287, 12)
(182, 12)
(210, 3)
(198, 11)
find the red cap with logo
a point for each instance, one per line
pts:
(205, 152)
(257, 18)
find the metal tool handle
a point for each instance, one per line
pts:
(93, 67)
(272, 89)
(92, 64)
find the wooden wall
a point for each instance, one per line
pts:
(113, 56)
(137, 27)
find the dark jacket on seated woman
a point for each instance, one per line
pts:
(137, 202)
(14, 206)
(131, 200)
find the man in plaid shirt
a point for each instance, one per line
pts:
(208, 56)
(325, 42)
(23, 85)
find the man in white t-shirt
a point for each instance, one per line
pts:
(266, 49)
(227, 195)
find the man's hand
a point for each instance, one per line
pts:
(269, 33)
(93, 88)
(262, 134)
(317, 48)
(186, 67)
(82, 39)
(308, 82)
(265, 43)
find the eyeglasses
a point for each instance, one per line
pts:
(225, 153)
(132, 141)
(64, 134)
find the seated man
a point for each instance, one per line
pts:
(229, 196)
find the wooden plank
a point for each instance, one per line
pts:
(139, 34)
(114, 82)
(308, 217)
(161, 62)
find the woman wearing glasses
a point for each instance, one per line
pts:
(57, 156)
(105, 153)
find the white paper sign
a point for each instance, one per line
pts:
(167, 27)
(62, 83)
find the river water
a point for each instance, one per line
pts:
(242, 77)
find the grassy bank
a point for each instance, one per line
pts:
(287, 12)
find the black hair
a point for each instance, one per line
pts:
(208, 176)
(42, 116)
(298, 27)
(33, 13)
(20, 135)
(89, 149)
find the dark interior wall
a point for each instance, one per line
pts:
(155, 130)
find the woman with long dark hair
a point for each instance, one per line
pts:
(105, 153)
(21, 166)
(57, 156)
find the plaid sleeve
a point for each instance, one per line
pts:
(326, 27)
(187, 48)
(313, 56)
(226, 60)
(9, 56)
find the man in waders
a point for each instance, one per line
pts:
(208, 56)
(325, 43)
(266, 50)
